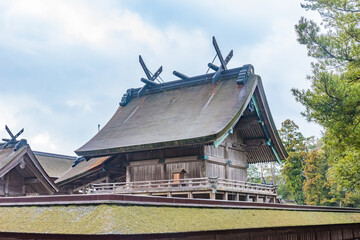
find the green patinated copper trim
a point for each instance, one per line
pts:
(218, 141)
(251, 84)
(203, 157)
(265, 129)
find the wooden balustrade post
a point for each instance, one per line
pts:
(190, 195)
(212, 195)
(226, 196)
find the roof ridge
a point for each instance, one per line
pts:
(46, 154)
(243, 72)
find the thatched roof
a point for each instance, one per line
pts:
(184, 113)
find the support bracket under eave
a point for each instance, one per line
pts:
(265, 130)
(218, 141)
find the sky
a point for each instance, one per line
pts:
(64, 65)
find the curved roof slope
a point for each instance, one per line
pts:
(55, 165)
(183, 112)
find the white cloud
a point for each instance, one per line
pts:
(118, 35)
(26, 112)
(82, 104)
(43, 142)
(78, 22)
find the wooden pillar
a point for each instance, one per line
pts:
(7, 179)
(237, 198)
(226, 156)
(203, 169)
(212, 195)
(169, 194)
(163, 171)
(227, 171)
(128, 174)
(226, 196)
(247, 197)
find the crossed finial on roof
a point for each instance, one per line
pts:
(150, 80)
(218, 70)
(12, 139)
(223, 62)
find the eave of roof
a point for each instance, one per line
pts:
(269, 121)
(81, 170)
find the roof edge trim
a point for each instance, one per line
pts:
(263, 126)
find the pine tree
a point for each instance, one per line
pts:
(295, 144)
(333, 100)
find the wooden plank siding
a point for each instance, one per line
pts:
(229, 159)
(158, 169)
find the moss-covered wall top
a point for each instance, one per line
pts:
(126, 219)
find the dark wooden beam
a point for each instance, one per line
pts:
(255, 142)
(31, 180)
(251, 120)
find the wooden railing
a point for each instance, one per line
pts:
(148, 185)
(182, 184)
(246, 186)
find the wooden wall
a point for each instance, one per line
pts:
(12, 184)
(228, 160)
(158, 169)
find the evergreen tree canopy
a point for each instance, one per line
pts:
(333, 100)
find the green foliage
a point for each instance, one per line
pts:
(295, 144)
(283, 191)
(333, 100)
(316, 186)
(253, 174)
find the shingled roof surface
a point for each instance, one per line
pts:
(81, 168)
(55, 165)
(7, 155)
(185, 115)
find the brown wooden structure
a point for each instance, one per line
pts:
(211, 132)
(210, 127)
(21, 173)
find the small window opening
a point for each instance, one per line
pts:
(178, 174)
